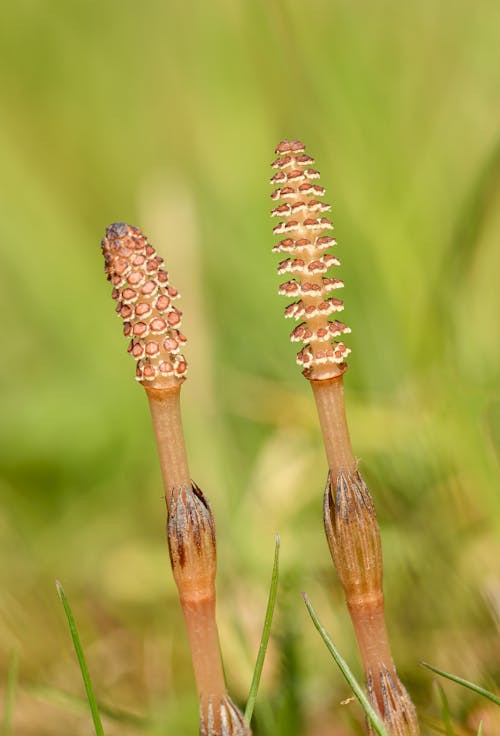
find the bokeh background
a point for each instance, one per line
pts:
(166, 115)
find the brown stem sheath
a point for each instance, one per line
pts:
(191, 540)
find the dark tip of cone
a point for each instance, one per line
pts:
(117, 230)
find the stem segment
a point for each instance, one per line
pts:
(165, 407)
(329, 397)
(204, 644)
(354, 539)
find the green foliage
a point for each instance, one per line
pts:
(94, 709)
(445, 711)
(9, 694)
(165, 114)
(465, 683)
(371, 715)
(266, 632)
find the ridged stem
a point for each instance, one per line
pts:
(165, 410)
(204, 643)
(368, 620)
(329, 397)
(354, 539)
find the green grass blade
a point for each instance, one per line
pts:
(372, 716)
(266, 631)
(81, 661)
(480, 729)
(445, 711)
(460, 680)
(10, 692)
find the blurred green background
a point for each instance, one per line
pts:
(166, 115)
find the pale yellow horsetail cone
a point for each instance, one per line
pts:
(304, 229)
(146, 303)
(349, 515)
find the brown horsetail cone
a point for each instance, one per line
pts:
(145, 302)
(150, 319)
(349, 516)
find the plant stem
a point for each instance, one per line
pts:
(145, 303)
(329, 397)
(365, 607)
(349, 515)
(204, 644)
(164, 404)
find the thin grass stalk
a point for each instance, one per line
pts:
(266, 632)
(89, 690)
(372, 717)
(349, 516)
(465, 683)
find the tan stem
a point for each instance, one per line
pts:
(329, 396)
(366, 608)
(196, 586)
(204, 643)
(367, 616)
(167, 424)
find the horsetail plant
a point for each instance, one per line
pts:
(145, 302)
(349, 516)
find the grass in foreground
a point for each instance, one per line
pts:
(266, 631)
(371, 715)
(117, 715)
(96, 718)
(465, 683)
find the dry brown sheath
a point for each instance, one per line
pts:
(145, 302)
(349, 516)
